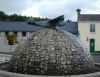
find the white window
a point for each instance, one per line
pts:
(92, 27)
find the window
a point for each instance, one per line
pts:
(15, 33)
(92, 27)
(23, 33)
(6, 33)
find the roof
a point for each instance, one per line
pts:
(89, 17)
(71, 27)
(18, 27)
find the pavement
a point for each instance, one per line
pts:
(96, 58)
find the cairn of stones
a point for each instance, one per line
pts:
(51, 52)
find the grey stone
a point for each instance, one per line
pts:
(52, 52)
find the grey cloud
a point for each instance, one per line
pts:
(68, 8)
(13, 6)
(50, 8)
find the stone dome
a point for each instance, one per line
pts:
(51, 52)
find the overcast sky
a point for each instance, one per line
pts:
(50, 8)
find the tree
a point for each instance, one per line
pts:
(16, 17)
(2, 15)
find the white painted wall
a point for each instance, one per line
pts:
(20, 38)
(4, 58)
(3, 39)
(86, 35)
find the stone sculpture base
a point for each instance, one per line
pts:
(52, 52)
(4, 72)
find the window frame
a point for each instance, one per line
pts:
(92, 28)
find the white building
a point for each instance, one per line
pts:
(89, 30)
(86, 28)
(21, 29)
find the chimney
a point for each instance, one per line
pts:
(78, 13)
(68, 20)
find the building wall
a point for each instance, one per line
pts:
(86, 35)
(3, 39)
(4, 58)
(20, 38)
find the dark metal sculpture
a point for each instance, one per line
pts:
(55, 22)
(49, 23)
